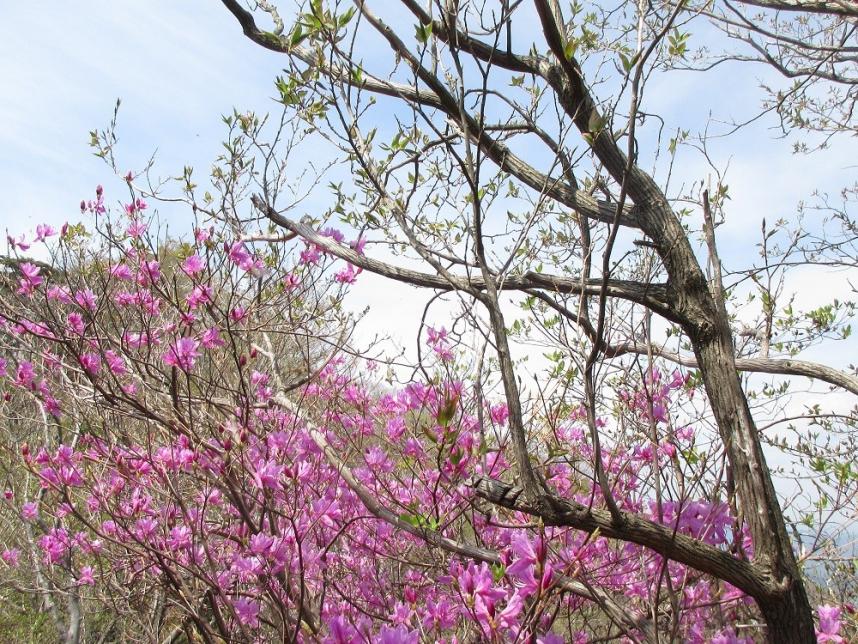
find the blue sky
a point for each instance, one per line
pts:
(177, 66)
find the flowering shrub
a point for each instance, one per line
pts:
(216, 447)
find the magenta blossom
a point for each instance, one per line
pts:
(211, 339)
(86, 299)
(136, 229)
(17, 243)
(829, 625)
(199, 296)
(247, 611)
(31, 278)
(43, 231)
(348, 275)
(183, 354)
(29, 511)
(85, 578)
(11, 557)
(193, 264)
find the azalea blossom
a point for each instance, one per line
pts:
(121, 271)
(29, 511)
(211, 339)
(199, 296)
(136, 229)
(829, 625)
(348, 275)
(182, 354)
(43, 231)
(86, 299)
(11, 556)
(247, 611)
(193, 264)
(30, 280)
(85, 578)
(20, 242)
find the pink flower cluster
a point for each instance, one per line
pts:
(202, 465)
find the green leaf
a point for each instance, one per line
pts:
(677, 43)
(344, 19)
(570, 49)
(448, 411)
(423, 32)
(298, 36)
(629, 63)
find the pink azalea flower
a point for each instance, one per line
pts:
(529, 556)
(247, 611)
(149, 272)
(348, 275)
(311, 254)
(659, 412)
(31, 278)
(333, 233)
(86, 299)
(29, 511)
(138, 340)
(341, 632)
(52, 406)
(60, 294)
(44, 231)
(85, 578)
(499, 413)
(291, 281)
(199, 296)
(180, 538)
(211, 339)
(25, 374)
(434, 336)
(268, 474)
(240, 256)
(115, 363)
(183, 354)
(75, 323)
(550, 638)
(193, 264)
(17, 243)
(136, 229)
(397, 635)
(829, 625)
(120, 271)
(11, 556)
(91, 362)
